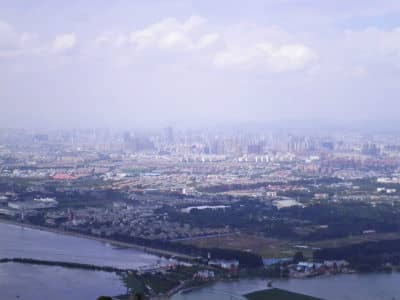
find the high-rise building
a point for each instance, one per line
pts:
(169, 135)
(254, 149)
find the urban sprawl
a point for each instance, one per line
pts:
(218, 202)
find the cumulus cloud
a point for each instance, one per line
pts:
(207, 40)
(13, 43)
(112, 38)
(64, 42)
(168, 34)
(275, 58)
(232, 46)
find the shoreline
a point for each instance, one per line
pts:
(153, 251)
(63, 264)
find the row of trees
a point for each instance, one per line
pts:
(246, 259)
(365, 256)
(71, 265)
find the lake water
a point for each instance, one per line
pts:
(16, 241)
(341, 287)
(30, 282)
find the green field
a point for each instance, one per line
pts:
(278, 294)
(264, 246)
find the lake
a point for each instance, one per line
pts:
(31, 282)
(379, 286)
(23, 242)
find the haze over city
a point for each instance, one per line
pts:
(198, 149)
(138, 63)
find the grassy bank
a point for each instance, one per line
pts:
(278, 294)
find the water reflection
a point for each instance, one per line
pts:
(31, 282)
(379, 286)
(16, 241)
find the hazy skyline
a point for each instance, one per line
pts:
(135, 63)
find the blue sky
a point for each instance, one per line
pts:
(151, 63)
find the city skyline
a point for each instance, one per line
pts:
(194, 149)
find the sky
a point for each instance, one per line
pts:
(121, 64)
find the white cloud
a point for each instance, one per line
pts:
(192, 23)
(173, 39)
(275, 58)
(207, 40)
(359, 72)
(241, 45)
(112, 38)
(166, 35)
(64, 42)
(13, 43)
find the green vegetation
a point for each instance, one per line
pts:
(71, 265)
(261, 245)
(133, 282)
(340, 220)
(368, 256)
(246, 260)
(160, 283)
(278, 294)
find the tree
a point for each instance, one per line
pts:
(137, 296)
(298, 257)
